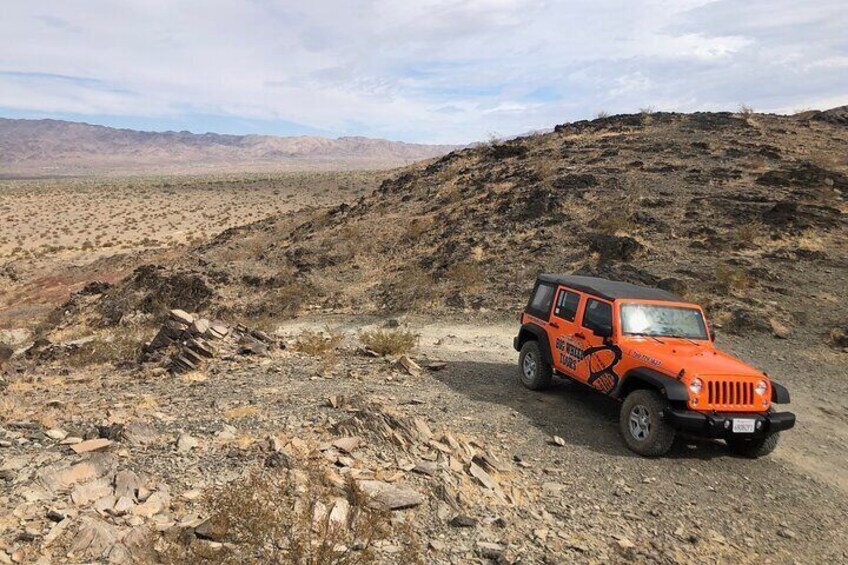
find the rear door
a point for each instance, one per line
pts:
(563, 325)
(599, 356)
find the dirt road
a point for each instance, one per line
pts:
(796, 500)
(484, 359)
(589, 500)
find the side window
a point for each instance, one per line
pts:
(540, 304)
(598, 315)
(566, 306)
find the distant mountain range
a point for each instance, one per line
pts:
(34, 148)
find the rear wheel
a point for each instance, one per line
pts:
(754, 447)
(642, 425)
(535, 371)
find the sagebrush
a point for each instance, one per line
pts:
(389, 342)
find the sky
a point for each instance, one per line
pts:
(434, 71)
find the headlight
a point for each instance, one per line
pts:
(695, 386)
(760, 388)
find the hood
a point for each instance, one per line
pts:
(674, 354)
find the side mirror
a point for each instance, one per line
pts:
(602, 332)
(712, 334)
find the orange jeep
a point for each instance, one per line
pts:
(654, 351)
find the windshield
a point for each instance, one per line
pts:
(662, 321)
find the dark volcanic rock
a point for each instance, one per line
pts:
(837, 116)
(803, 175)
(613, 247)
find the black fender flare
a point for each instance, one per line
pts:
(671, 388)
(536, 333)
(779, 393)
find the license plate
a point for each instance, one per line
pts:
(743, 426)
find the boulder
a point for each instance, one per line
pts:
(614, 247)
(199, 326)
(94, 539)
(91, 445)
(214, 528)
(181, 316)
(390, 496)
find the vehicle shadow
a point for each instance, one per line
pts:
(570, 410)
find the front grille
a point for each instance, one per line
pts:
(729, 394)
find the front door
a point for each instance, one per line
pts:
(562, 327)
(599, 355)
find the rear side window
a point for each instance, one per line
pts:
(598, 315)
(566, 306)
(540, 303)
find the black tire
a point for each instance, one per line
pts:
(534, 370)
(649, 435)
(753, 448)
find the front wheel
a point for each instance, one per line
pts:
(642, 426)
(535, 371)
(753, 447)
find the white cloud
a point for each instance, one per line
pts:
(434, 70)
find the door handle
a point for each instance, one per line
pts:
(553, 325)
(580, 335)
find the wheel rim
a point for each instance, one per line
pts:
(529, 366)
(640, 422)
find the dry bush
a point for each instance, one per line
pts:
(121, 345)
(839, 337)
(731, 280)
(748, 233)
(646, 115)
(546, 170)
(611, 223)
(279, 303)
(417, 228)
(602, 114)
(745, 110)
(318, 343)
(352, 240)
(413, 287)
(273, 517)
(389, 342)
(11, 409)
(757, 163)
(466, 275)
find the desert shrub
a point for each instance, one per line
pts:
(273, 517)
(389, 342)
(616, 221)
(279, 303)
(352, 240)
(731, 279)
(466, 275)
(748, 233)
(417, 228)
(411, 288)
(546, 170)
(602, 114)
(121, 345)
(839, 336)
(745, 110)
(318, 343)
(645, 114)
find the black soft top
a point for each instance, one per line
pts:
(610, 290)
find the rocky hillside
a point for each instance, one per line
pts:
(743, 213)
(52, 147)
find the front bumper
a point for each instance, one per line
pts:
(720, 424)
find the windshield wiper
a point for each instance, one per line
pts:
(652, 336)
(689, 339)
